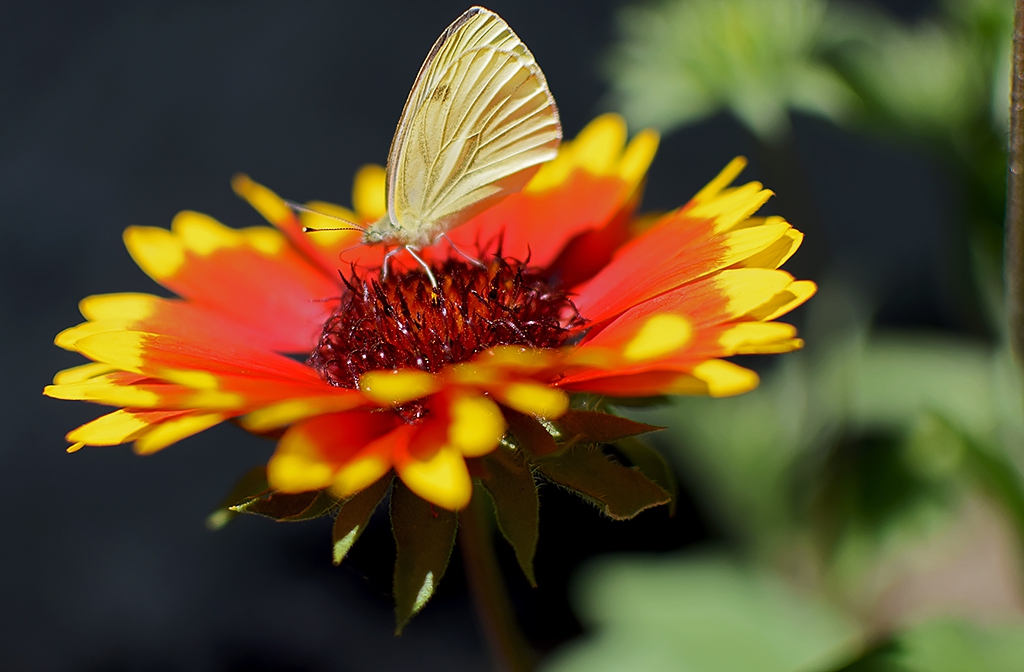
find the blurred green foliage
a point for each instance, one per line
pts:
(690, 614)
(681, 61)
(947, 645)
(942, 82)
(872, 488)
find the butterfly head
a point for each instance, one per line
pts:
(383, 231)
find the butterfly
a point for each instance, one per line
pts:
(478, 124)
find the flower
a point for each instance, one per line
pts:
(567, 292)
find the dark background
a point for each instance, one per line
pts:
(119, 113)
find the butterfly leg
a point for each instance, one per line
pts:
(384, 263)
(472, 260)
(430, 274)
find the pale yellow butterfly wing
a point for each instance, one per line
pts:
(477, 125)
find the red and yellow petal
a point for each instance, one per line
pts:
(463, 419)
(292, 409)
(795, 294)
(369, 193)
(673, 319)
(349, 451)
(153, 314)
(517, 377)
(776, 254)
(675, 252)
(460, 424)
(345, 451)
(532, 398)
(432, 464)
(476, 424)
(393, 388)
(442, 479)
(162, 355)
(714, 317)
(759, 338)
(120, 426)
(600, 149)
(328, 250)
(121, 388)
(343, 245)
(251, 276)
(715, 378)
(711, 233)
(150, 430)
(593, 178)
(82, 372)
(277, 212)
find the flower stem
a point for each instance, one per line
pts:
(1014, 246)
(509, 649)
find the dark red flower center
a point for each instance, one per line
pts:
(404, 321)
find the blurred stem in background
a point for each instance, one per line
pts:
(1014, 251)
(509, 650)
(873, 484)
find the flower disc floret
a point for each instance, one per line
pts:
(406, 322)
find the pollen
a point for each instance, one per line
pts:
(404, 322)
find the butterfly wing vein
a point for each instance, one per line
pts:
(478, 124)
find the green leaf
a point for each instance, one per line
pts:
(290, 507)
(678, 62)
(424, 535)
(997, 474)
(509, 481)
(620, 492)
(532, 436)
(597, 427)
(252, 484)
(354, 514)
(653, 465)
(700, 614)
(947, 645)
(940, 450)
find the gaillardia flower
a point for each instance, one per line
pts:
(557, 290)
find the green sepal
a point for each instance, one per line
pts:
(509, 481)
(579, 426)
(353, 516)
(653, 465)
(290, 507)
(620, 492)
(531, 436)
(424, 536)
(251, 485)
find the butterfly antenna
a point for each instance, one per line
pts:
(350, 248)
(310, 229)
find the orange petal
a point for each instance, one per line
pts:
(311, 454)
(121, 426)
(251, 277)
(145, 312)
(594, 178)
(716, 377)
(442, 479)
(157, 354)
(674, 252)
